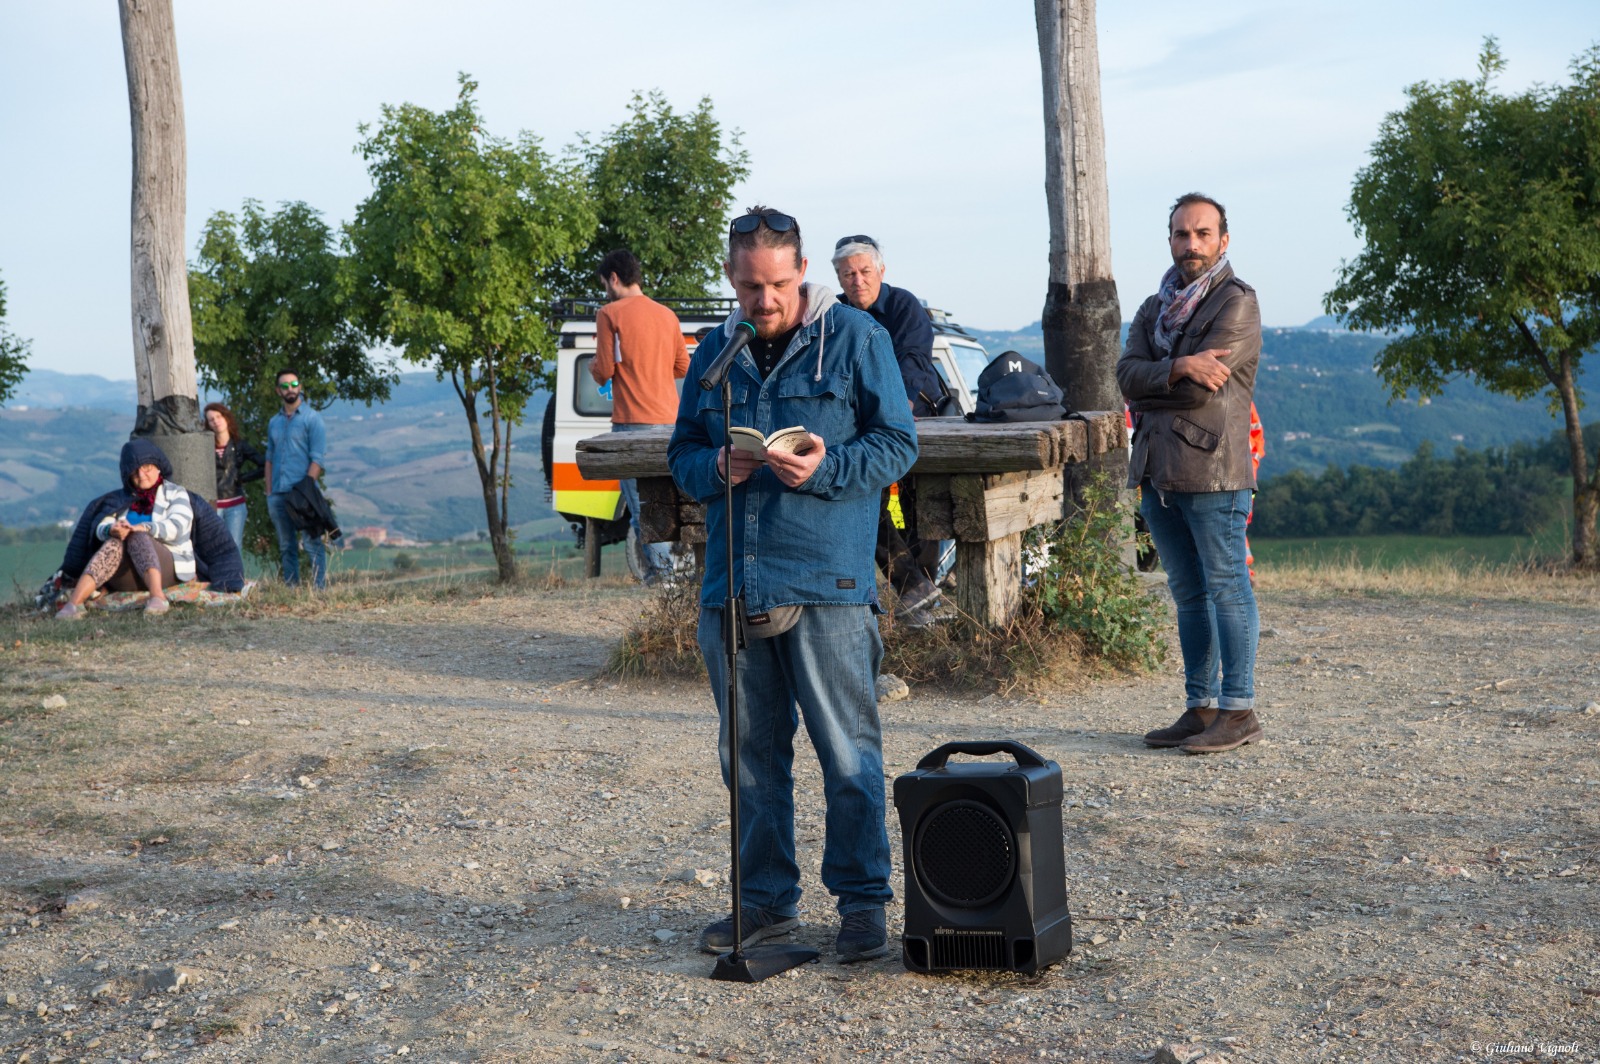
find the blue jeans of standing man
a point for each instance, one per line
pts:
(657, 556)
(825, 666)
(1200, 537)
(289, 545)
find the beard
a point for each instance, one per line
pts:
(1192, 268)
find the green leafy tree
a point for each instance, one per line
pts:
(662, 184)
(268, 292)
(457, 251)
(13, 354)
(1481, 216)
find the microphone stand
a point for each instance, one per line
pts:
(758, 962)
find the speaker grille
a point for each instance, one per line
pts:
(966, 855)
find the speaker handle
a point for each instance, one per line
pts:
(1025, 755)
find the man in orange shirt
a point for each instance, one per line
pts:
(639, 347)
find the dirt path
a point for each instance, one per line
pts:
(422, 830)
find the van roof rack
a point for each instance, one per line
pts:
(942, 322)
(716, 308)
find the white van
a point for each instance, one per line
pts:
(577, 410)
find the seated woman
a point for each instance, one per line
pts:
(146, 543)
(233, 450)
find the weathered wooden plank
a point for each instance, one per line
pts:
(996, 505)
(945, 445)
(989, 579)
(695, 534)
(658, 502)
(934, 518)
(616, 455)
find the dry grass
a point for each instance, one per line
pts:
(1344, 574)
(662, 643)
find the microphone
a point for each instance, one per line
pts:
(717, 372)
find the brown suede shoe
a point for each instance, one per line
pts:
(1192, 723)
(1231, 729)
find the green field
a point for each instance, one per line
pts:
(1392, 552)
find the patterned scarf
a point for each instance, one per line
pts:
(1178, 304)
(145, 501)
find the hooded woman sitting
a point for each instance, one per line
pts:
(145, 543)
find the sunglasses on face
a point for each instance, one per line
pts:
(859, 238)
(286, 385)
(749, 223)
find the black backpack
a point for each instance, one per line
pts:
(1012, 388)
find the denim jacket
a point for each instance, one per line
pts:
(810, 545)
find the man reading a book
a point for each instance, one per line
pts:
(639, 347)
(804, 525)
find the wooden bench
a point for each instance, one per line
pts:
(982, 485)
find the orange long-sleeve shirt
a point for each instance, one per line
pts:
(639, 346)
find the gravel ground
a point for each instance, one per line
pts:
(424, 830)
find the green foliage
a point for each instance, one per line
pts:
(269, 292)
(405, 562)
(1516, 491)
(13, 353)
(457, 253)
(1481, 216)
(1087, 588)
(661, 183)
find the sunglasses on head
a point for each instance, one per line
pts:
(859, 238)
(749, 223)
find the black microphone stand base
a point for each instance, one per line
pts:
(760, 962)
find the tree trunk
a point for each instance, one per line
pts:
(163, 336)
(1585, 491)
(505, 561)
(1082, 318)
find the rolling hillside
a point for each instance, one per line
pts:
(1323, 405)
(404, 465)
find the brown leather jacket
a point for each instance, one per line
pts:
(1189, 439)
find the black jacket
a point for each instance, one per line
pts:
(216, 556)
(309, 511)
(231, 477)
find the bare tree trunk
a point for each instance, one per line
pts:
(505, 561)
(1585, 490)
(163, 336)
(1082, 318)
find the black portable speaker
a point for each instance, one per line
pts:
(986, 881)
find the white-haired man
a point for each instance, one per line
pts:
(858, 263)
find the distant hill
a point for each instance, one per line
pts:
(1322, 404)
(403, 465)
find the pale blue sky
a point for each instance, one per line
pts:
(919, 123)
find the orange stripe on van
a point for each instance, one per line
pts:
(567, 478)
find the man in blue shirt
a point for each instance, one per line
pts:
(296, 443)
(908, 562)
(803, 531)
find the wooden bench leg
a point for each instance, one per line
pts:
(591, 547)
(989, 579)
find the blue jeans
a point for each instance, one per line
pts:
(658, 556)
(233, 520)
(289, 545)
(825, 665)
(1200, 537)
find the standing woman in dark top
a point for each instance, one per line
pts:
(233, 450)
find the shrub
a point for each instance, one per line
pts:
(405, 562)
(1086, 588)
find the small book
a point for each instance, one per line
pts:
(792, 440)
